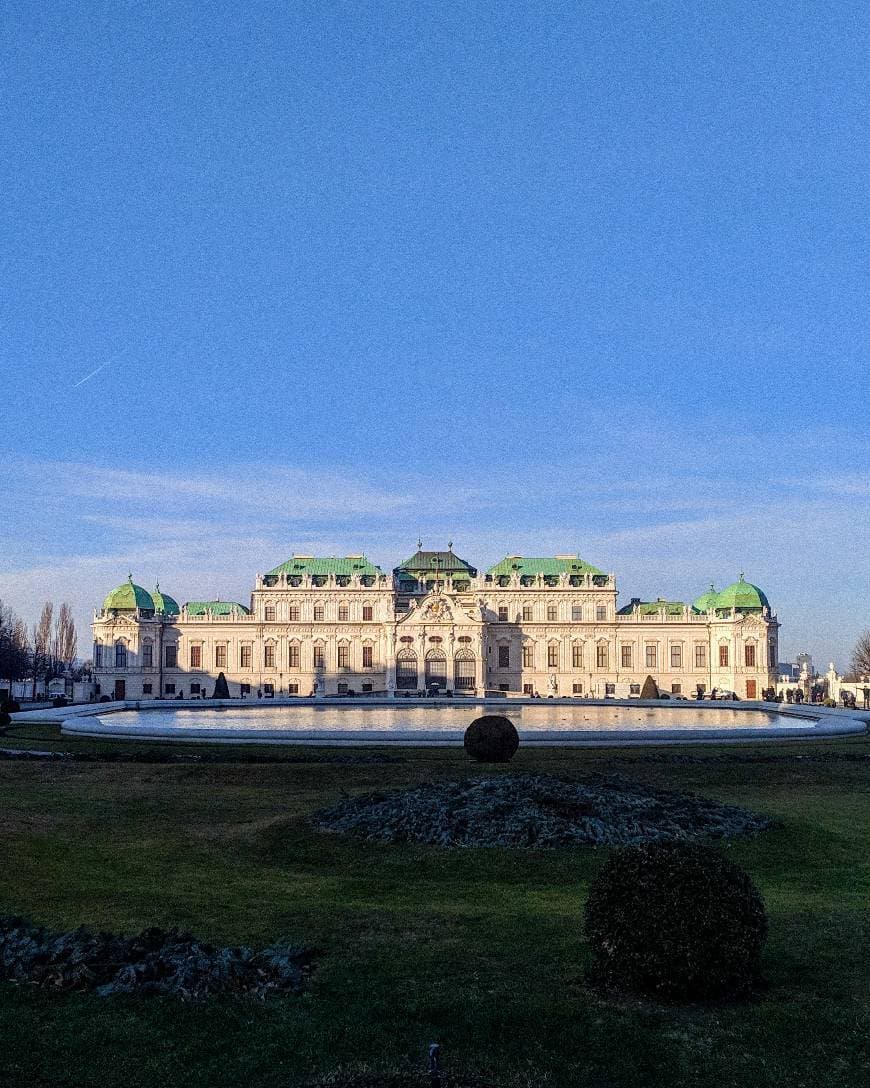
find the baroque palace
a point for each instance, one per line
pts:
(342, 626)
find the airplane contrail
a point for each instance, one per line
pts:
(111, 359)
(92, 373)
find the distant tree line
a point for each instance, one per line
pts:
(49, 650)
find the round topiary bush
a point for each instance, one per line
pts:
(59, 701)
(675, 921)
(491, 738)
(11, 706)
(4, 718)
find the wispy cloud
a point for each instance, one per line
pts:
(76, 529)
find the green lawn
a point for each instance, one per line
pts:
(481, 950)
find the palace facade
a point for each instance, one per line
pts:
(342, 626)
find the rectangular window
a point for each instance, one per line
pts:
(319, 657)
(576, 612)
(146, 689)
(676, 657)
(147, 655)
(245, 656)
(366, 687)
(343, 613)
(552, 613)
(577, 655)
(771, 654)
(504, 657)
(528, 657)
(367, 612)
(723, 657)
(194, 689)
(601, 656)
(504, 687)
(244, 689)
(577, 689)
(220, 656)
(610, 689)
(552, 657)
(196, 657)
(171, 659)
(634, 689)
(98, 655)
(343, 655)
(626, 657)
(676, 689)
(293, 655)
(270, 613)
(368, 656)
(601, 612)
(528, 689)
(293, 613)
(651, 657)
(169, 689)
(749, 655)
(502, 613)
(269, 691)
(318, 612)
(292, 689)
(700, 657)
(527, 613)
(269, 655)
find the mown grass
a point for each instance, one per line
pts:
(479, 949)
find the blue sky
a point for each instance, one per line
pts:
(531, 277)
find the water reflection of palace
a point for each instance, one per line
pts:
(547, 626)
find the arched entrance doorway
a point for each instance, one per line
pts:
(406, 671)
(463, 671)
(436, 669)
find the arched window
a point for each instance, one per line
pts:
(436, 668)
(464, 670)
(406, 670)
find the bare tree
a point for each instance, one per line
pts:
(14, 648)
(861, 655)
(65, 638)
(42, 656)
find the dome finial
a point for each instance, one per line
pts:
(419, 543)
(450, 545)
(741, 576)
(130, 577)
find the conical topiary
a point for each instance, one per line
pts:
(650, 689)
(221, 688)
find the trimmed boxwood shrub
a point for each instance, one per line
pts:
(675, 921)
(59, 701)
(11, 706)
(4, 718)
(491, 738)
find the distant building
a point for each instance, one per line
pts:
(547, 626)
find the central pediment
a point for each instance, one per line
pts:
(437, 608)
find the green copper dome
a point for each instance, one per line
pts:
(128, 597)
(742, 596)
(707, 600)
(164, 603)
